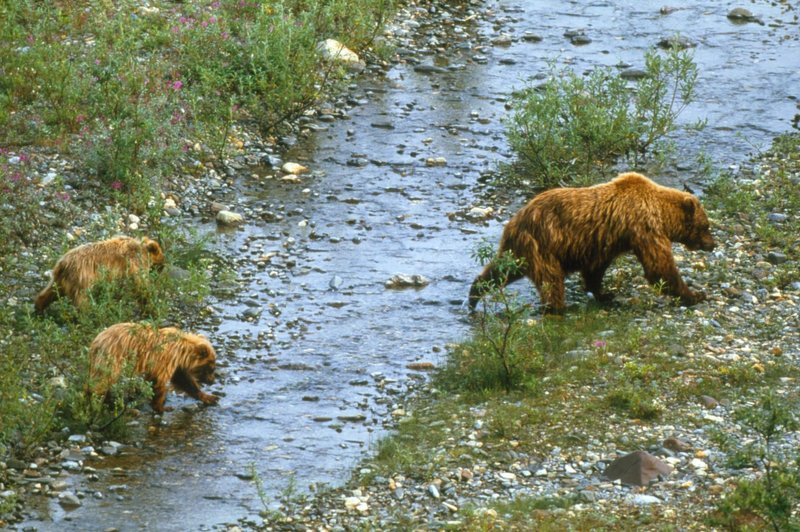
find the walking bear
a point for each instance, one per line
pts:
(81, 267)
(565, 230)
(164, 356)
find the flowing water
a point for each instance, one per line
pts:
(314, 348)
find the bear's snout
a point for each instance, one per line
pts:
(707, 243)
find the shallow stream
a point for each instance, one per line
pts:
(315, 349)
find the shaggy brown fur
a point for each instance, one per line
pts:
(566, 230)
(163, 356)
(81, 267)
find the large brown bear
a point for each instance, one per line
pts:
(566, 230)
(81, 267)
(163, 356)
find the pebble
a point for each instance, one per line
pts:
(69, 500)
(294, 168)
(641, 499)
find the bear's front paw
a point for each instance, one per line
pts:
(209, 399)
(692, 298)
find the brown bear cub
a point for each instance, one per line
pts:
(163, 356)
(566, 230)
(81, 267)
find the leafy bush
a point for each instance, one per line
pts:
(133, 82)
(494, 358)
(571, 129)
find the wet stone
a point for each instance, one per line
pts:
(633, 73)
(428, 69)
(229, 218)
(742, 16)
(531, 37)
(69, 500)
(407, 281)
(675, 42)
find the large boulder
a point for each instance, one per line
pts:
(637, 468)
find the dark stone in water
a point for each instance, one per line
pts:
(429, 69)
(633, 73)
(675, 42)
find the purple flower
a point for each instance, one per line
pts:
(116, 185)
(599, 344)
(176, 85)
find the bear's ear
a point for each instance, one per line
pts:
(688, 205)
(204, 352)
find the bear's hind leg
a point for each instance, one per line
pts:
(593, 282)
(159, 397)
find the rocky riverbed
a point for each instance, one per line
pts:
(392, 195)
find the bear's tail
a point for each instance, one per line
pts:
(45, 298)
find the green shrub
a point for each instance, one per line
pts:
(572, 129)
(496, 356)
(132, 83)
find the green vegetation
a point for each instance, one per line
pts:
(571, 129)
(122, 86)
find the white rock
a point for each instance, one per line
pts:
(351, 502)
(132, 218)
(698, 464)
(641, 499)
(333, 50)
(479, 213)
(229, 218)
(407, 281)
(169, 203)
(294, 168)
